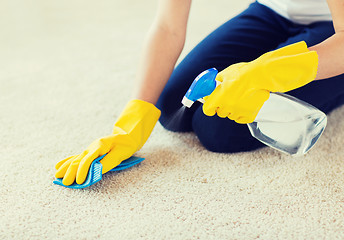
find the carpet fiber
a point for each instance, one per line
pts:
(67, 70)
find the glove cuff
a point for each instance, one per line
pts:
(138, 120)
(287, 68)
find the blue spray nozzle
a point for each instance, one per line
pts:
(203, 85)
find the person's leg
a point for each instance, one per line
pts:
(243, 38)
(326, 94)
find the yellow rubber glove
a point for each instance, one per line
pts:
(246, 86)
(130, 132)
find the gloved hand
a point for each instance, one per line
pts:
(246, 86)
(130, 132)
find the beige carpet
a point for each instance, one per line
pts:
(67, 69)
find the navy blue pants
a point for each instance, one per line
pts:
(243, 38)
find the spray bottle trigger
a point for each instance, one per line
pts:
(201, 100)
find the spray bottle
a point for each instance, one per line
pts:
(284, 123)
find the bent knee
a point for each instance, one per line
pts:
(223, 135)
(233, 145)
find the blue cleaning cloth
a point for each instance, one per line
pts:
(95, 172)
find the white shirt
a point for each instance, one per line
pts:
(300, 11)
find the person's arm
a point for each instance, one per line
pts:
(331, 51)
(162, 48)
(136, 122)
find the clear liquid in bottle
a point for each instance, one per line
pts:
(288, 124)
